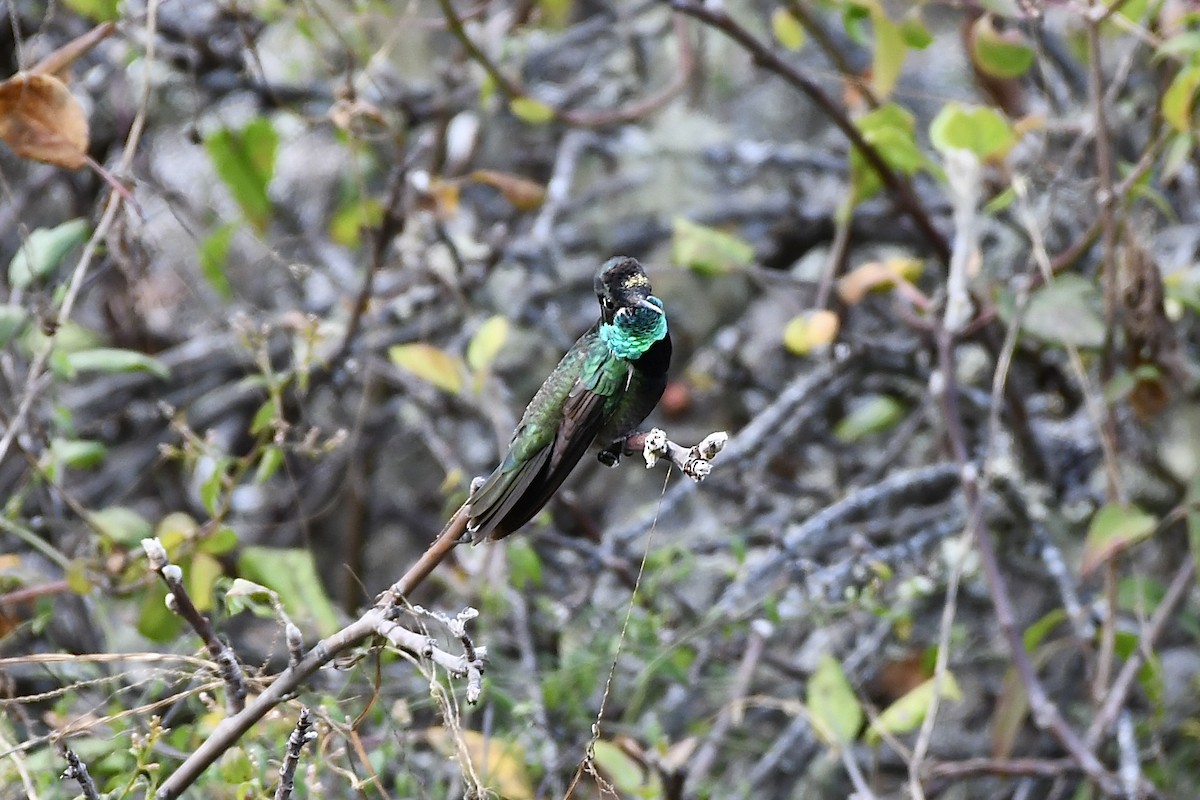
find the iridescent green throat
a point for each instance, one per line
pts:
(634, 330)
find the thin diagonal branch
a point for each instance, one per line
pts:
(897, 185)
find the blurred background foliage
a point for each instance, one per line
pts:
(280, 278)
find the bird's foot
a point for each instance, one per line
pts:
(611, 455)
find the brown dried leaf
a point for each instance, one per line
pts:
(524, 194)
(877, 276)
(1152, 347)
(40, 119)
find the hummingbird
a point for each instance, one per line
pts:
(601, 390)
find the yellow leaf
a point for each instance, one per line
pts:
(1114, 528)
(877, 276)
(907, 713)
(810, 331)
(430, 364)
(534, 112)
(487, 343)
(787, 29)
(629, 775)
(524, 194)
(890, 51)
(500, 764)
(444, 194)
(1177, 99)
(706, 250)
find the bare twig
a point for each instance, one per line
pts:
(963, 172)
(301, 735)
(933, 480)
(375, 621)
(1015, 767)
(762, 433)
(33, 382)
(77, 771)
(180, 602)
(1046, 713)
(730, 713)
(1114, 701)
(394, 217)
(899, 186)
(1107, 202)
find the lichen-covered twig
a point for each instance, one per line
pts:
(179, 602)
(695, 462)
(301, 735)
(473, 659)
(77, 771)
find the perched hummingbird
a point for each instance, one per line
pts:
(600, 392)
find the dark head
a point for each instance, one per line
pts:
(622, 283)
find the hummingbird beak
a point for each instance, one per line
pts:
(644, 303)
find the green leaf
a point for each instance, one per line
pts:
(292, 573)
(43, 251)
(524, 565)
(1177, 99)
(889, 53)
(222, 541)
(351, 219)
(78, 453)
(1177, 155)
(999, 54)
(174, 529)
(1038, 631)
(907, 713)
(121, 525)
(78, 579)
(891, 130)
(872, 415)
(155, 621)
(980, 129)
(202, 573)
(627, 775)
(487, 343)
(107, 359)
(854, 18)
(210, 490)
(530, 111)
(1184, 46)
(430, 364)
(834, 710)
(214, 254)
(1000, 202)
(555, 13)
(914, 32)
(268, 464)
(235, 766)
(706, 250)
(1065, 312)
(1114, 528)
(787, 29)
(95, 10)
(264, 418)
(245, 161)
(1150, 676)
(13, 321)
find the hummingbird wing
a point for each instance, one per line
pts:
(542, 456)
